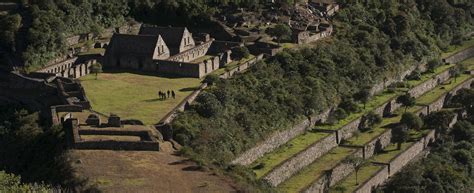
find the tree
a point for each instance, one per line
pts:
(281, 31)
(455, 72)
(207, 105)
(411, 120)
(400, 135)
(356, 162)
(439, 121)
(370, 119)
(363, 96)
(240, 52)
(96, 69)
(463, 130)
(406, 100)
(340, 114)
(465, 98)
(211, 79)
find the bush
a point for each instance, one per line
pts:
(207, 105)
(411, 120)
(340, 114)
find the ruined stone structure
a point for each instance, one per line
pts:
(307, 36)
(70, 68)
(76, 133)
(168, 50)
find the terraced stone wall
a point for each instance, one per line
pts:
(460, 56)
(377, 179)
(331, 177)
(301, 160)
(377, 144)
(429, 84)
(278, 139)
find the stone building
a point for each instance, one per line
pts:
(169, 50)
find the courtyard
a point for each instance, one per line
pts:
(135, 95)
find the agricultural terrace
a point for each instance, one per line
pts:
(270, 160)
(308, 175)
(135, 95)
(391, 151)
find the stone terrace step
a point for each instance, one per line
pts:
(285, 161)
(304, 181)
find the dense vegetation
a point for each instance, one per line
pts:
(372, 42)
(33, 151)
(47, 23)
(449, 167)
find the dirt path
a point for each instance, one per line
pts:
(134, 171)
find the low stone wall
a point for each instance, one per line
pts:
(375, 181)
(242, 67)
(119, 145)
(304, 158)
(182, 105)
(377, 144)
(460, 56)
(331, 177)
(429, 84)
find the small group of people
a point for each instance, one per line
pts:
(164, 95)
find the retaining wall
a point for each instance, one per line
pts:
(375, 181)
(460, 56)
(331, 177)
(300, 160)
(377, 143)
(277, 139)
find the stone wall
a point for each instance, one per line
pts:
(305, 37)
(119, 145)
(460, 56)
(69, 68)
(331, 177)
(376, 180)
(182, 105)
(277, 139)
(288, 168)
(193, 53)
(242, 67)
(377, 144)
(429, 84)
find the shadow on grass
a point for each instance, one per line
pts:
(153, 100)
(188, 89)
(139, 72)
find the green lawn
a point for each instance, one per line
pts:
(312, 172)
(135, 96)
(284, 152)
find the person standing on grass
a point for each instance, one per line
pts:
(159, 94)
(173, 94)
(168, 93)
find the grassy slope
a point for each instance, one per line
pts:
(135, 96)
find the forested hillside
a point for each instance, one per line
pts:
(372, 41)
